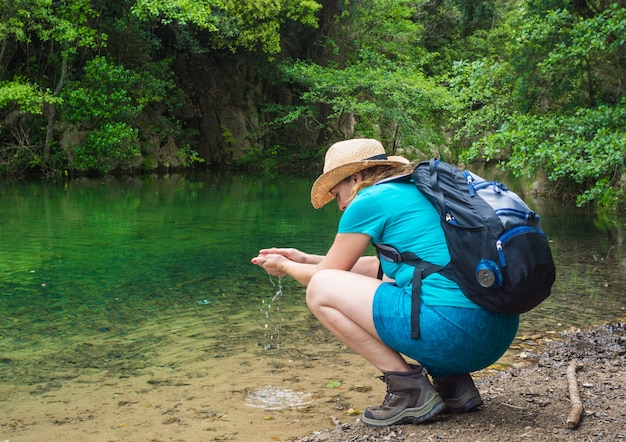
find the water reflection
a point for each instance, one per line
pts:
(591, 267)
(125, 273)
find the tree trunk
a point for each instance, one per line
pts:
(53, 108)
(2, 51)
(589, 75)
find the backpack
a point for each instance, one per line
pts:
(499, 256)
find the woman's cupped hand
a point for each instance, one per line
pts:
(272, 263)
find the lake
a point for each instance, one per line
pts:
(125, 277)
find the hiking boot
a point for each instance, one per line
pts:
(410, 398)
(458, 392)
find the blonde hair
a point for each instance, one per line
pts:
(372, 175)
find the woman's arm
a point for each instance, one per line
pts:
(366, 265)
(293, 255)
(342, 255)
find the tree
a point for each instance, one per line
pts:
(374, 84)
(45, 45)
(232, 24)
(54, 32)
(567, 107)
(69, 29)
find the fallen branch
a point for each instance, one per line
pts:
(576, 410)
(517, 407)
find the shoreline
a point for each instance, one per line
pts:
(531, 403)
(206, 399)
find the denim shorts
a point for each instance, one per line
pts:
(453, 340)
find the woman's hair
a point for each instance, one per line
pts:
(372, 175)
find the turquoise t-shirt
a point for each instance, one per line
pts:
(397, 214)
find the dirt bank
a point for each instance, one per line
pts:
(530, 403)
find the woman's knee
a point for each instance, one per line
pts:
(317, 289)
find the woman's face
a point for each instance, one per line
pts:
(343, 191)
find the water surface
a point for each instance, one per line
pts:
(121, 274)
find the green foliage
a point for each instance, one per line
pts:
(65, 24)
(227, 135)
(595, 36)
(104, 93)
(202, 13)
(394, 29)
(18, 20)
(585, 150)
(607, 198)
(24, 97)
(107, 147)
(376, 79)
(287, 116)
(534, 84)
(384, 27)
(21, 108)
(259, 21)
(40, 38)
(378, 95)
(552, 101)
(103, 104)
(567, 58)
(189, 157)
(247, 24)
(260, 159)
(71, 27)
(483, 92)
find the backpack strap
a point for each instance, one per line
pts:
(380, 270)
(422, 270)
(434, 182)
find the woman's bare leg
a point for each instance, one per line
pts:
(342, 302)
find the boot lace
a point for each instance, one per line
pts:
(389, 395)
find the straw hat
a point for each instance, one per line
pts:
(346, 158)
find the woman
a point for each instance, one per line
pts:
(373, 316)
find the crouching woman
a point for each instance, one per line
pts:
(372, 316)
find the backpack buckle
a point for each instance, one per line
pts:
(388, 253)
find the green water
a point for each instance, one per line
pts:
(114, 273)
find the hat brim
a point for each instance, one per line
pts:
(320, 192)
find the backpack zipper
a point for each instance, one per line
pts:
(509, 235)
(497, 186)
(470, 183)
(529, 216)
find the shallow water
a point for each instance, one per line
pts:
(124, 274)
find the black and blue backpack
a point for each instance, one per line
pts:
(499, 256)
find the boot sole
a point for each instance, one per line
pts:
(409, 415)
(463, 405)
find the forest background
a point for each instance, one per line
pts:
(131, 86)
